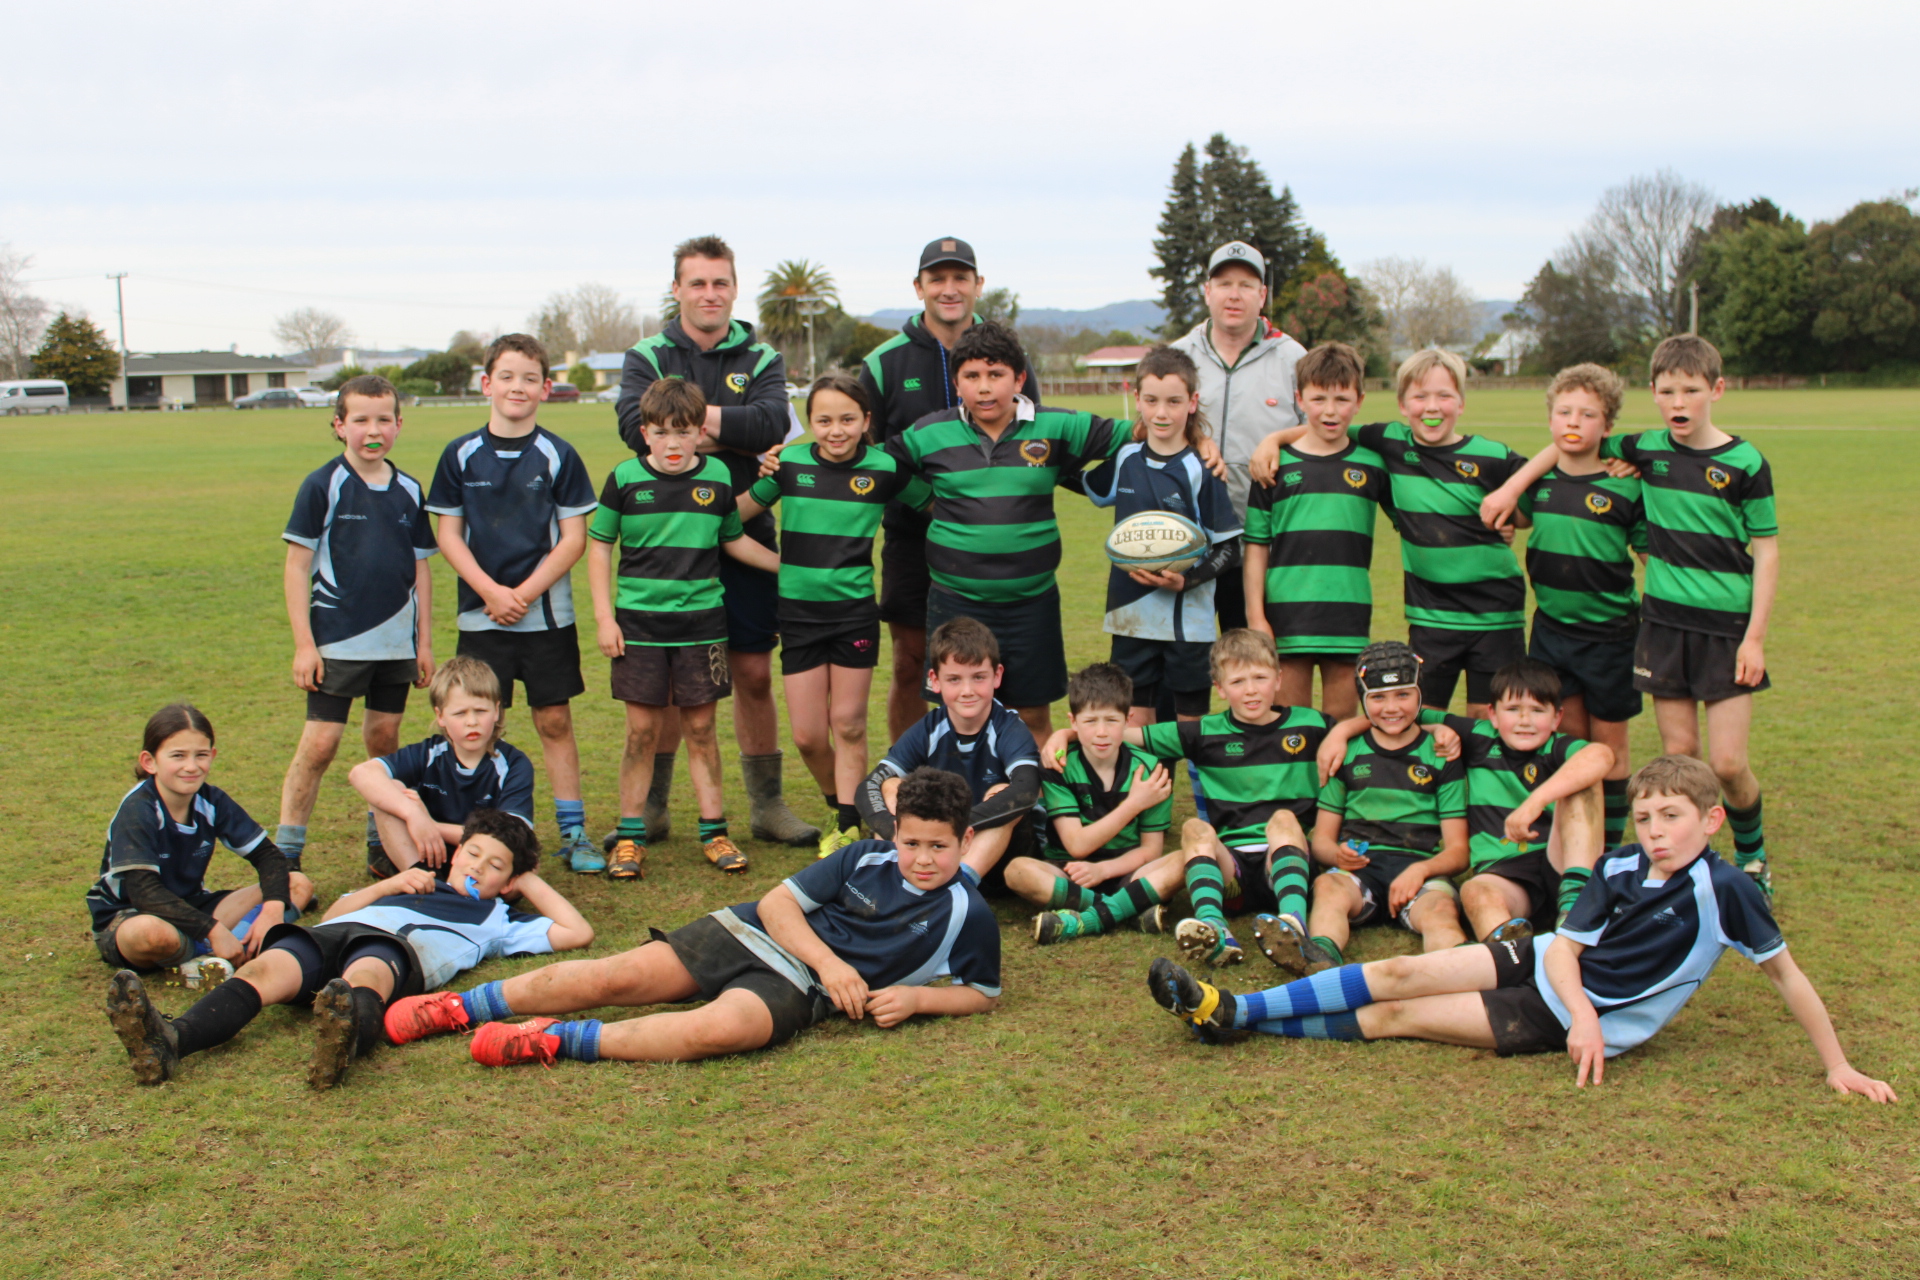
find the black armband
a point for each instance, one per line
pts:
(871, 801)
(150, 897)
(1222, 557)
(275, 873)
(1021, 794)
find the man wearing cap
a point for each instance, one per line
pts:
(1246, 381)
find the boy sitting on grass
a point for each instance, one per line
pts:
(1644, 935)
(405, 935)
(1110, 807)
(863, 930)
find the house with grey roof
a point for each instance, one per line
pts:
(167, 379)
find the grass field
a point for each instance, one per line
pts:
(1075, 1132)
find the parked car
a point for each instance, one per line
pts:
(608, 395)
(314, 397)
(563, 393)
(271, 398)
(34, 395)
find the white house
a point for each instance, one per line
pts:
(202, 377)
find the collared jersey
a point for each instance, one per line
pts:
(1460, 575)
(448, 932)
(1395, 799)
(1316, 521)
(1248, 771)
(1651, 943)
(1076, 791)
(985, 759)
(144, 837)
(365, 542)
(669, 530)
(502, 780)
(994, 536)
(1579, 552)
(1703, 507)
(829, 514)
(512, 494)
(1499, 780)
(1137, 479)
(892, 933)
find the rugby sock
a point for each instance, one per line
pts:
(292, 841)
(369, 1020)
(1613, 793)
(712, 828)
(373, 835)
(1329, 991)
(487, 1002)
(578, 1040)
(1288, 876)
(1208, 889)
(848, 814)
(1115, 908)
(1572, 881)
(571, 817)
(1069, 896)
(216, 1017)
(1332, 1026)
(1749, 841)
(1199, 795)
(634, 829)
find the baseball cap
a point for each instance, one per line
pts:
(948, 249)
(1233, 251)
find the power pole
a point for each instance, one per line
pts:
(120, 305)
(810, 305)
(1693, 306)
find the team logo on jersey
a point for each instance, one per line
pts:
(736, 382)
(643, 495)
(1599, 503)
(806, 479)
(910, 384)
(1236, 748)
(1530, 773)
(1659, 466)
(1411, 455)
(1718, 478)
(1419, 774)
(1355, 478)
(1036, 452)
(1294, 743)
(1291, 477)
(1471, 470)
(703, 495)
(862, 485)
(1544, 495)
(1363, 771)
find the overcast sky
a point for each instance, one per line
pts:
(420, 168)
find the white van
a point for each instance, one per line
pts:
(34, 395)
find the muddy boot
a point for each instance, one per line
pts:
(659, 822)
(771, 819)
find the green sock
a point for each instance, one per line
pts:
(1749, 840)
(1572, 881)
(1208, 889)
(1288, 876)
(634, 829)
(1613, 793)
(1115, 908)
(712, 828)
(1330, 947)
(1068, 896)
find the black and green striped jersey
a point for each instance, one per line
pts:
(1499, 780)
(1703, 507)
(1579, 553)
(829, 513)
(1075, 791)
(1317, 521)
(1248, 771)
(669, 530)
(1395, 800)
(1460, 575)
(994, 536)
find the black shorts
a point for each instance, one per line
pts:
(1251, 890)
(1521, 1020)
(1230, 601)
(1032, 648)
(1600, 672)
(327, 951)
(547, 662)
(382, 682)
(1180, 665)
(1025, 842)
(672, 675)
(753, 606)
(1671, 663)
(1376, 888)
(104, 937)
(719, 962)
(904, 580)
(1445, 654)
(1534, 873)
(858, 648)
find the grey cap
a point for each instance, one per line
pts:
(1237, 251)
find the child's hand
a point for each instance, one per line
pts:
(845, 987)
(1496, 509)
(1619, 469)
(1446, 743)
(1520, 824)
(1150, 789)
(1847, 1080)
(1347, 858)
(607, 634)
(1258, 624)
(1159, 578)
(1507, 533)
(412, 880)
(1749, 663)
(225, 945)
(271, 915)
(1210, 458)
(1054, 754)
(1265, 463)
(1328, 758)
(1085, 874)
(427, 838)
(891, 1006)
(502, 605)
(423, 665)
(309, 668)
(1404, 889)
(1588, 1049)
(769, 462)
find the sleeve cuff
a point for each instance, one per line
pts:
(298, 541)
(567, 513)
(807, 904)
(460, 512)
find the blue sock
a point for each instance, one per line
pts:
(291, 840)
(1199, 796)
(1329, 991)
(1332, 1026)
(578, 1040)
(246, 923)
(487, 1002)
(571, 817)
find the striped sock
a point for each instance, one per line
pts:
(578, 1040)
(1116, 908)
(1332, 1026)
(1329, 991)
(571, 817)
(1288, 876)
(487, 1002)
(634, 829)
(1572, 881)
(1208, 889)
(712, 828)
(1069, 896)
(1613, 794)
(1749, 839)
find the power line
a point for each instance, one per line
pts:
(327, 297)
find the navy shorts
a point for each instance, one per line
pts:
(753, 606)
(904, 580)
(720, 962)
(1600, 672)
(1521, 1019)
(547, 662)
(1535, 875)
(1445, 654)
(1180, 666)
(382, 682)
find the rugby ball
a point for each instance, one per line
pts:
(1156, 540)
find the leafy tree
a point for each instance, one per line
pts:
(448, 371)
(392, 373)
(1320, 302)
(416, 387)
(1865, 282)
(309, 331)
(470, 346)
(1183, 262)
(1421, 306)
(1757, 295)
(342, 376)
(858, 340)
(74, 350)
(582, 376)
(783, 317)
(1580, 308)
(999, 304)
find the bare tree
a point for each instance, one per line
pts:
(603, 320)
(23, 316)
(1644, 225)
(309, 331)
(1423, 306)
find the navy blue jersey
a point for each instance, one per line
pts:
(985, 759)
(502, 780)
(1137, 479)
(447, 931)
(893, 934)
(513, 493)
(1651, 943)
(364, 542)
(144, 837)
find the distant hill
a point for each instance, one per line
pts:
(1141, 316)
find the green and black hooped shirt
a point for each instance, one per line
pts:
(1249, 772)
(1395, 800)
(1317, 522)
(1075, 791)
(1499, 780)
(1579, 553)
(669, 530)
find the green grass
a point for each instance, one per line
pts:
(1075, 1132)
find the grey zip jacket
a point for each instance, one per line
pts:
(1248, 402)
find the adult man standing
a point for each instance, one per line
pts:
(1246, 381)
(747, 413)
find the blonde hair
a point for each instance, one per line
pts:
(1421, 363)
(468, 675)
(1676, 776)
(1604, 383)
(1243, 648)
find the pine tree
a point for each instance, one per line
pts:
(1229, 197)
(1182, 248)
(75, 351)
